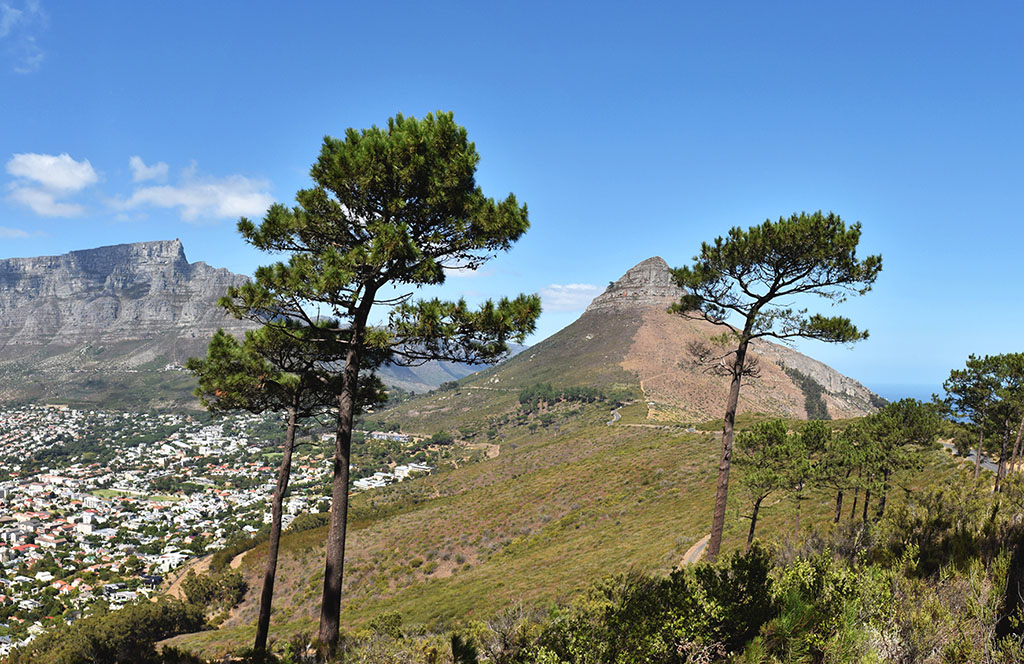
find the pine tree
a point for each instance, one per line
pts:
(746, 283)
(390, 208)
(277, 368)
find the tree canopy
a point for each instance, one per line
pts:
(746, 273)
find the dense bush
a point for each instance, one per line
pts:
(223, 590)
(118, 637)
(710, 609)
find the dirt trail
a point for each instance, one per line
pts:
(695, 552)
(198, 565)
(236, 562)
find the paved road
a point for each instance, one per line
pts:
(986, 463)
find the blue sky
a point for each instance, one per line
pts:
(630, 131)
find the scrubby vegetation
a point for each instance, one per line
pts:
(127, 636)
(936, 580)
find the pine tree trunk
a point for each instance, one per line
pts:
(867, 499)
(981, 442)
(885, 493)
(1016, 446)
(856, 494)
(799, 503)
(334, 567)
(1001, 470)
(839, 496)
(269, 574)
(753, 522)
(722, 490)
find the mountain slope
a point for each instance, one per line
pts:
(104, 324)
(570, 498)
(626, 342)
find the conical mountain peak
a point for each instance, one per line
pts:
(645, 285)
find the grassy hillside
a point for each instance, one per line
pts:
(554, 512)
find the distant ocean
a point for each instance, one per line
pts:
(897, 391)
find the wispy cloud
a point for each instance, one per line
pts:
(201, 198)
(43, 181)
(141, 172)
(18, 25)
(570, 297)
(44, 203)
(12, 233)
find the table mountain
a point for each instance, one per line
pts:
(113, 325)
(114, 321)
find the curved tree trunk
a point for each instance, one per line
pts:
(728, 427)
(269, 574)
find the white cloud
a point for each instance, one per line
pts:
(141, 172)
(43, 180)
(227, 197)
(570, 297)
(44, 203)
(12, 232)
(9, 18)
(16, 31)
(57, 173)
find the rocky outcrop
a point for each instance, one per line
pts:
(661, 357)
(122, 293)
(108, 326)
(647, 284)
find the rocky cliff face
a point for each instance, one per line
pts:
(108, 325)
(647, 284)
(126, 292)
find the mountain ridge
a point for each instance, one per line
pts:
(627, 335)
(113, 325)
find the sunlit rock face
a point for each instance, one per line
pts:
(647, 284)
(125, 292)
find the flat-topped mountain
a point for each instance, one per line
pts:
(113, 325)
(125, 292)
(108, 324)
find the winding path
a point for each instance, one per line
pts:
(695, 552)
